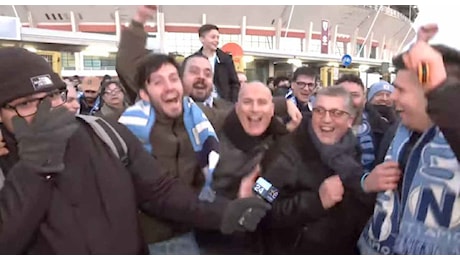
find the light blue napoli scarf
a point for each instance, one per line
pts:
(424, 219)
(140, 119)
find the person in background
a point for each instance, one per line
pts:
(270, 84)
(303, 86)
(369, 126)
(90, 100)
(242, 78)
(226, 83)
(378, 96)
(282, 85)
(72, 103)
(114, 101)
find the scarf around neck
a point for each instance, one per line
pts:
(140, 119)
(341, 157)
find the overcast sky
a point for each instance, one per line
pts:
(446, 16)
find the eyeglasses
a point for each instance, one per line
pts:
(30, 107)
(112, 92)
(334, 113)
(302, 85)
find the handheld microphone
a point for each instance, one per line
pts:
(265, 190)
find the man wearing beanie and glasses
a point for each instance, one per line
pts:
(65, 190)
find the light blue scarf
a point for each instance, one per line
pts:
(140, 119)
(425, 219)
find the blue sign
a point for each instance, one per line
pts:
(346, 60)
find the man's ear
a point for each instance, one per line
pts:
(350, 121)
(144, 95)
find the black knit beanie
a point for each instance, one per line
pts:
(23, 73)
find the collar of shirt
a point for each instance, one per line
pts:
(212, 60)
(209, 101)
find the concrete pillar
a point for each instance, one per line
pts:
(333, 48)
(161, 31)
(354, 38)
(271, 69)
(30, 19)
(308, 34)
(279, 26)
(73, 22)
(203, 19)
(243, 32)
(381, 50)
(117, 24)
(369, 46)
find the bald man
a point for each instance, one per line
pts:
(247, 132)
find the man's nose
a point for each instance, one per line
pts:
(327, 117)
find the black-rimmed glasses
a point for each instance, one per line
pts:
(30, 107)
(301, 85)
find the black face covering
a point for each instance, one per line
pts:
(386, 112)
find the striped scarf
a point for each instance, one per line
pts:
(140, 119)
(366, 143)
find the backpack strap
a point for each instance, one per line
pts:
(109, 136)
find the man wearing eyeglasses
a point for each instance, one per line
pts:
(317, 170)
(114, 100)
(304, 83)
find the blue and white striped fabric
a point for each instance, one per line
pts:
(290, 96)
(140, 119)
(364, 136)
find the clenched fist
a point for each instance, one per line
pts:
(145, 13)
(331, 191)
(384, 176)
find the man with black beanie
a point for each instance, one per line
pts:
(67, 193)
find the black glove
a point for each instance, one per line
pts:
(42, 143)
(243, 215)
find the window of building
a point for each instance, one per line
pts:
(182, 43)
(258, 42)
(358, 48)
(226, 38)
(315, 46)
(373, 53)
(291, 44)
(68, 61)
(99, 63)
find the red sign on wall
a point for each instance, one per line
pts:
(325, 36)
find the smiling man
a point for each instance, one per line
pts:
(248, 131)
(417, 181)
(317, 170)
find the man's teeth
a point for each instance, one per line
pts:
(327, 129)
(255, 119)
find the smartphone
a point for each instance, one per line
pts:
(265, 190)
